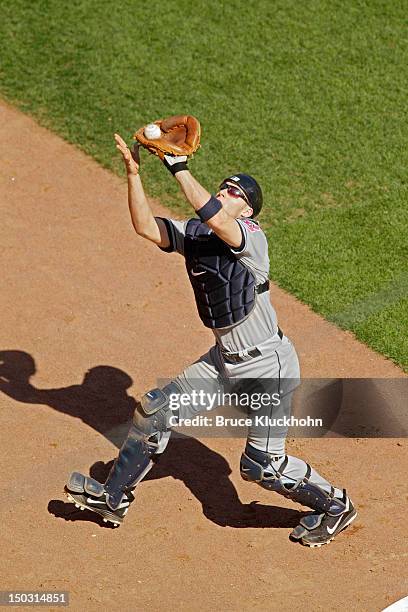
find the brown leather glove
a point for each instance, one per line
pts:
(180, 135)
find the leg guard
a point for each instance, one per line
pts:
(256, 466)
(147, 436)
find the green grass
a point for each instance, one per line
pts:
(309, 97)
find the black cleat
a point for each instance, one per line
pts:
(317, 529)
(86, 492)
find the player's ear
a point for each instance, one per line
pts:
(247, 212)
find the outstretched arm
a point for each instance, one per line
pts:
(194, 192)
(142, 217)
(222, 224)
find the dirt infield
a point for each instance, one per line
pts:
(91, 317)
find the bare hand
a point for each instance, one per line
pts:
(131, 158)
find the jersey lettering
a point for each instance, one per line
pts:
(251, 225)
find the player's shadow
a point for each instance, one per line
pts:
(101, 401)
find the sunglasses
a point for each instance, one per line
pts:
(234, 192)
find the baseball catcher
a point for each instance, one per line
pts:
(227, 262)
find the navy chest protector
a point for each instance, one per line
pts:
(224, 289)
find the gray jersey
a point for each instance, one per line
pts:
(261, 323)
(277, 359)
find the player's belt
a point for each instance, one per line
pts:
(239, 358)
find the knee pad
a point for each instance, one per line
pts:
(256, 466)
(151, 418)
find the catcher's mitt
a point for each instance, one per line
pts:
(180, 135)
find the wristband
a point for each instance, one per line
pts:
(211, 208)
(176, 167)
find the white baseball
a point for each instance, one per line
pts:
(152, 131)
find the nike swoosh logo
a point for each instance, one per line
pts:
(197, 273)
(95, 501)
(333, 529)
(347, 508)
(91, 501)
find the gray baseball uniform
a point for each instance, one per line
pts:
(277, 359)
(251, 358)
